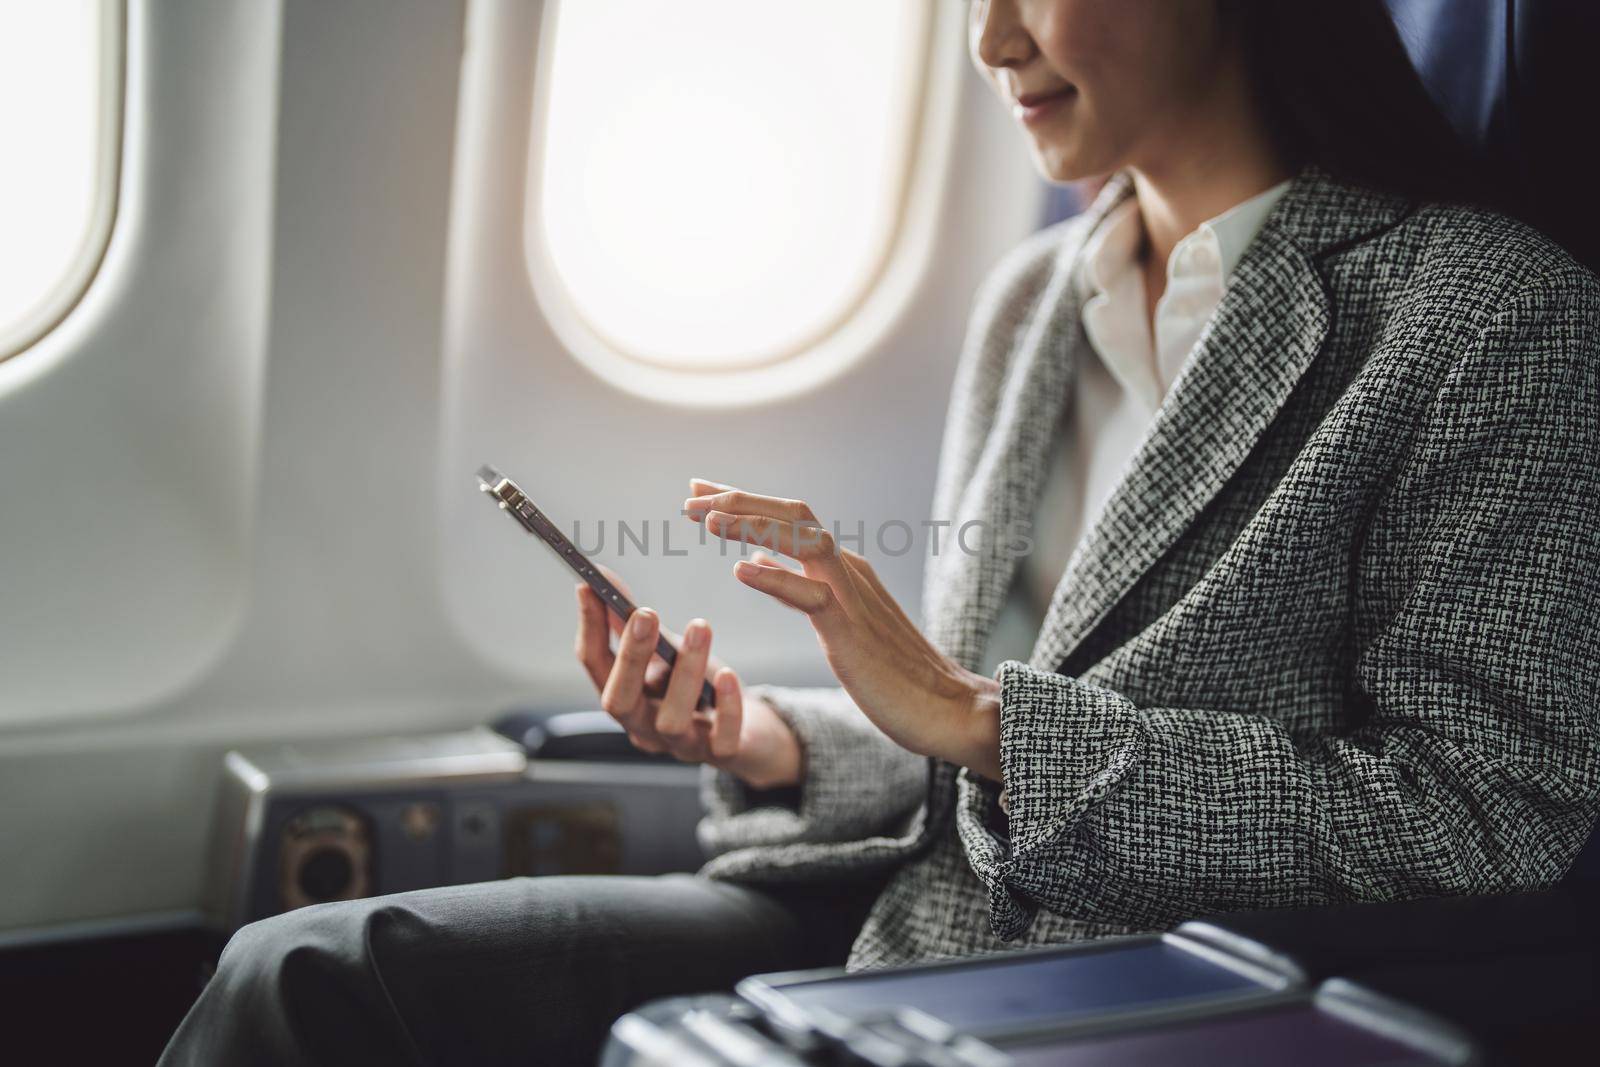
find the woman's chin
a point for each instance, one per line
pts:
(1057, 163)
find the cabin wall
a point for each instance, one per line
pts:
(236, 501)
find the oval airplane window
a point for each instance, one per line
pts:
(718, 187)
(60, 101)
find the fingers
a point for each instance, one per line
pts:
(593, 644)
(739, 502)
(704, 487)
(654, 703)
(616, 623)
(807, 542)
(763, 559)
(729, 721)
(623, 694)
(675, 717)
(786, 526)
(656, 675)
(645, 742)
(596, 622)
(808, 595)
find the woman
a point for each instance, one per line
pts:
(1311, 450)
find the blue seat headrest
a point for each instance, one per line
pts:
(1512, 77)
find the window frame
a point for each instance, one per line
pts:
(823, 352)
(69, 290)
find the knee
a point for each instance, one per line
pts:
(291, 957)
(300, 987)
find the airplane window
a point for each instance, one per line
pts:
(59, 101)
(720, 190)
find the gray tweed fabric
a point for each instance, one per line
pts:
(1334, 637)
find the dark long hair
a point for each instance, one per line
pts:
(1339, 91)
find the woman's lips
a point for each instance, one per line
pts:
(1037, 107)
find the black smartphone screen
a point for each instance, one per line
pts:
(515, 502)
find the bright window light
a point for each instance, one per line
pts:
(722, 181)
(57, 110)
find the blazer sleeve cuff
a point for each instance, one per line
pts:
(1065, 747)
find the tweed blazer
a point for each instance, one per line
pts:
(1334, 637)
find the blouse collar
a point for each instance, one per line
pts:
(1111, 287)
(1114, 245)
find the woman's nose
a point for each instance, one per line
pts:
(1000, 41)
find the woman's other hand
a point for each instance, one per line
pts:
(655, 704)
(923, 700)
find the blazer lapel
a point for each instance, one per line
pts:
(1000, 495)
(1272, 322)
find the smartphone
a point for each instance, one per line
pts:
(514, 502)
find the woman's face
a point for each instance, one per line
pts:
(1099, 84)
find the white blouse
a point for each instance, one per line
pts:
(1118, 388)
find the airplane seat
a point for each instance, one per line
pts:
(1507, 73)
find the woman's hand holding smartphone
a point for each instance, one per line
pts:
(668, 694)
(656, 704)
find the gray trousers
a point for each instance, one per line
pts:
(528, 971)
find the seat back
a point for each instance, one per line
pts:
(1512, 76)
